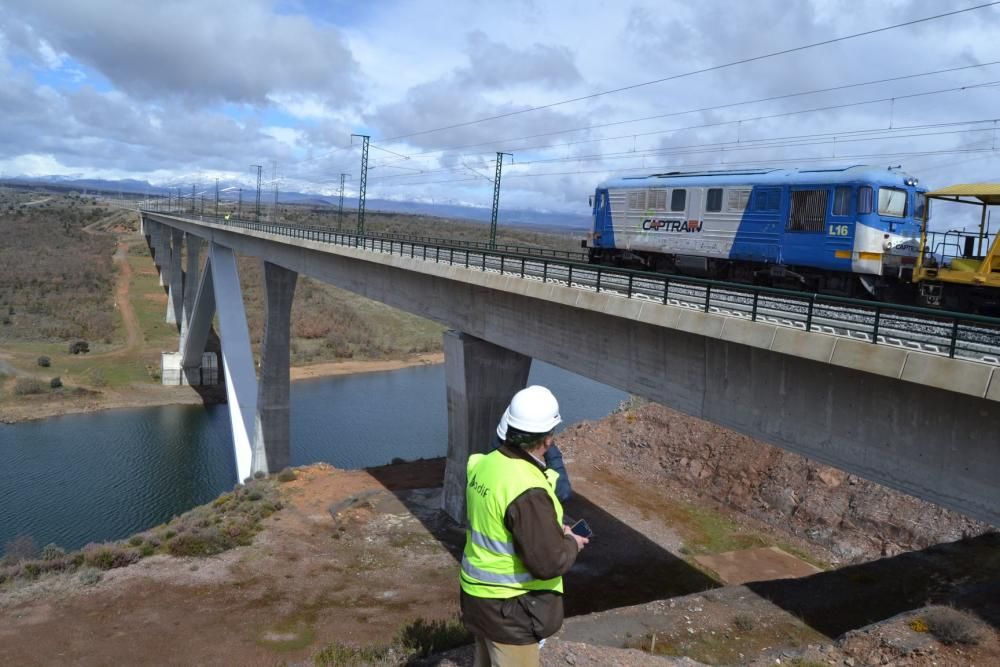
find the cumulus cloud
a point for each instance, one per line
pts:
(228, 50)
(152, 89)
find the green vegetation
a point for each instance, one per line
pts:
(419, 639)
(232, 520)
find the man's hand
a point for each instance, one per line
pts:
(580, 541)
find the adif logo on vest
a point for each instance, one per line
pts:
(481, 489)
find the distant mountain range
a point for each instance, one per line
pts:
(520, 217)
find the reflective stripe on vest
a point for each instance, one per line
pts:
(489, 543)
(491, 567)
(492, 577)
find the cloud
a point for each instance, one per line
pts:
(239, 52)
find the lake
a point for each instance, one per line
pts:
(106, 475)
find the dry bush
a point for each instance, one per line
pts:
(951, 626)
(28, 386)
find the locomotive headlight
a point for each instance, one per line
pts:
(887, 245)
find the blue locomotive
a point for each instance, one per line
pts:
(851, 231)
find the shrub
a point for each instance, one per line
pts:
(951, 626)
(259, 475)
(52, 552)
(27, 386)
(55, 382)
(201, 542)
(110, 556)
(44, 362)
(90, 576)
(79, 347)
(743, 622)
(287, 475)
(22, 547)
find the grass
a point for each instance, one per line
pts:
(416, 640)
(149, 303)
(721, 648)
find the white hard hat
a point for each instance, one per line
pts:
(502, 425)
(532, 410)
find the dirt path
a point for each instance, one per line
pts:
(133, 336)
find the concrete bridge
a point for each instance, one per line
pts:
(925, 424)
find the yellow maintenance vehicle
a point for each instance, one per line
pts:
(958, 269)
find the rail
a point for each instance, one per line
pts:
(944, 333)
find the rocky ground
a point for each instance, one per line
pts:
(356, 562)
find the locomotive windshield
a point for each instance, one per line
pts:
(892, 202)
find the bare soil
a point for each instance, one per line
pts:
(354, 556)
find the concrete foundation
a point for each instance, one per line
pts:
(274, 378)
(172, 372)
(480, 378)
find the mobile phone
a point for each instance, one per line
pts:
(581, 528)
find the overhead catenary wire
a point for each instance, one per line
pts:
(736, 121)
(715, 107)
(815, 139)
(503, 142)
(741, 120)
(734, 165)
(703, 70)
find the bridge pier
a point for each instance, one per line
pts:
(275, 374)
(190, 282)
(480, 378)
(154, 239)
(175, 243)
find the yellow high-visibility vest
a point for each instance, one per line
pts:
(490, 566)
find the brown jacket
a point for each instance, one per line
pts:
(546, 551)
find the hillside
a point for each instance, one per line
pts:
(75, 269)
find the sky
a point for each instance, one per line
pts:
(179, 92)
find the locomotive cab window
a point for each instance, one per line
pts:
(892, 202)
(678, 200)
(808, 212)
(713, 202)
(842, 201)
(865, 198)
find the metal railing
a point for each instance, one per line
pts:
(951, 334)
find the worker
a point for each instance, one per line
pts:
(516, 547)
(553, 459)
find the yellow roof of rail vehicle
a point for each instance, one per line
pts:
(974, 267)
